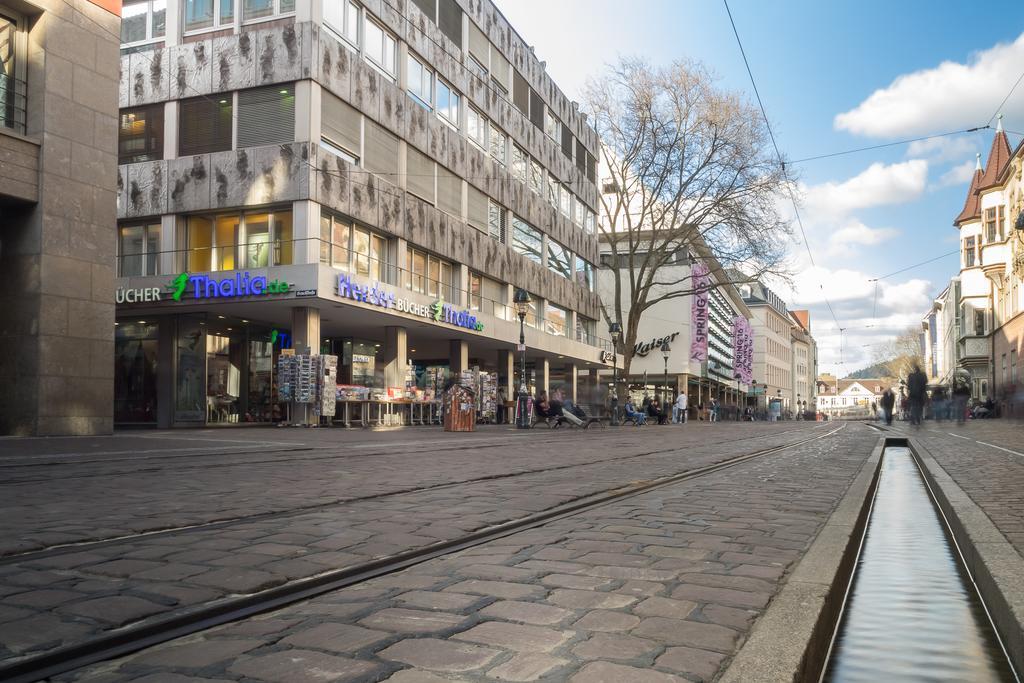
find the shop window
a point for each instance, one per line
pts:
(205, 125)
(448, 100)
(335, 241)
(496, 221)
(555, 320)
(419, 81)
(427, 274)
(141, 134)
(379, 47)
(342, 16)
(527, 240)
(559, 259)
(231, 241)
(138, 250)
(369, 254)
(135, 372)
(420, 175)
(340, 128)
(449, 192)
(202, 14)
(258, 9)
(142, 21)
(585, 274)
(381, 155)
(266, 116)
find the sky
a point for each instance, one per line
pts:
(834, 76)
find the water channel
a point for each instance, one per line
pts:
(913, 613)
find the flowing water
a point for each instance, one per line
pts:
(913, 613)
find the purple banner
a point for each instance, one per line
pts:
(742, 350)
(699, 335)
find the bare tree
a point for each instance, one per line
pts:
(690, 175)
(901, 353)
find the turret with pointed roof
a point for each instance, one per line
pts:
(998, 158)
(972, 205)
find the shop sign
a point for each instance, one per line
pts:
(127, 295)
(375, 295)
(240, 284)
(305, 292)
(646, 347)
(607, 356)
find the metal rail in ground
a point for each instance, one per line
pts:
(131, 639)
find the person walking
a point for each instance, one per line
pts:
(679, 409)
(961, 395)
(917, 394)
(888, 403)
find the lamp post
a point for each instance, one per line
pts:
(799, 410)
(522, 301)
(615, 329)
(665, 350)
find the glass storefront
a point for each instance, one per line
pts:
(135, 364)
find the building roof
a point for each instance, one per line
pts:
(837, 388)
(972, 205)
(803, 318)
(998, 158)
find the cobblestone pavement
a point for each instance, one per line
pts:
(662, 587)
(986, 459)
(292, 513)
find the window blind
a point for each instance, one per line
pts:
(500, 68)
(449, 16)
(420, 175)
(581, 156)
(521, 93)
(536, 109)
(381, 151)
(428, 7)
(266, 116)
(449, 192)
(340, 123)
(204, 125)
(479, 46)
(477, 209)
(566, 141)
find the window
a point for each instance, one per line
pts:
(369, 252)
(380, 47)
(340, 127)
(552, 126)
(266, 116)
(520, 162)
(231, 241)
(990, 225)
(533, 311)
(555, 320)
(591, 221)
(979, 323)
(13, 95)
(536, 109)
(142, 21)
(257, 9)
(343, 17)
(537, 177)
(420, 81)
(585, 274)
(475, 291)
(448, 103)
(552, 191)
(138, 247)
(335, 238)
(1001, 222)
(200, 14)
(381, 154)
(581, 157)
(479, 52)
(500, 69)
(527, 240)
(591, 167)
(204, 125)
(449, 192)
(449, 20)
(1013, 366)
(141, 134)
(476, 127)
(559, 259)
(496, 221)
(497, 144)
(428, 274)
(586, 330)
(567, 146)
(565, 201)
(420, 176)
(969, 252)
(479, 215)
(578, 212)
(521, 93)
(1006, 379)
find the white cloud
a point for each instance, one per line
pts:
(958, 175)
(856, 233)
(948, 96)
(952, 148)
(877, 185)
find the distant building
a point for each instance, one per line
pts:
(805, 359)
(773, 343)
(849, 397)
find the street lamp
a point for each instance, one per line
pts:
(615, 329)
(665, 350)
(799, 410)
(522, 301)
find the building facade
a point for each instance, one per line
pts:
(58, 136)
(363, 179)
(849, 397)
(805, 361)
(773, 344)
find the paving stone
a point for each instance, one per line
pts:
(115, 610)
(238, 579)
(408, 581)
(528, 612)
(291, 666)
(640, 588)
(497, 571)
(258, 627)
(640, 573)
(68, 560)
(681, 553)
(664, 607)
(759, 572)
(175, 594)
(691, 662)
(733, 617)
(526, 667)
(578, 599)
(689, 633)
(123, 568)
(615, 559)
(439, 655)
(742, 583)
(560, 554)
(608, 672)
(334, 637)
(578, 582)
(9, 613)
(166, 677)
(615, 646)
(499, 589)
(606, 620)
(197, 654)
(36, 631)
(170, 572)
(412, 620)
(724, 596)
(554, 566)
(40, 599)
(438, 600)
(519, 637)
(414, 676)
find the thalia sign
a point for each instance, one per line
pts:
(206, 287)
(375, 295)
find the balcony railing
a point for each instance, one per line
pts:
(13, 101)
(264, 254)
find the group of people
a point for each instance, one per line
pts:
(558, 405)
(917, 397)
(652, 409)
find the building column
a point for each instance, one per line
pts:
(543, 374)
(458, 356)
(573, 379)
(306, 329)
(395, 356)
(462, 291)
(306, 232)
(507, 369)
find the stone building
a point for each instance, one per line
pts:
(370, 179)
(773, 344)
(805, 361)
(58, 170)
